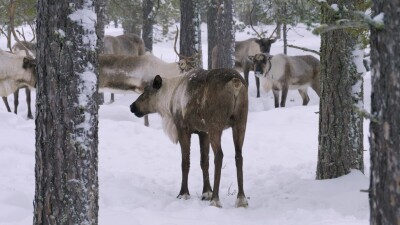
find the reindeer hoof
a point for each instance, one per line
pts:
(206, 195)
(184, 196)
(241, 202)
(216, 203)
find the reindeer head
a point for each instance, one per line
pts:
(147, 102)
(29, 64)
(262, 64)
(187, 62)
(264, 42)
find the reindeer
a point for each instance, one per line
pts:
(125, 44)
(282, 72)
(23, 48)
(204, 102)
(15, 72)
(246, 48)
(121, 72)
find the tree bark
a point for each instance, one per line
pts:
(189, 39)
(66, 170)
(148, 21)
(340, 125)
(385, 132)
(226, 35)
(212, 28)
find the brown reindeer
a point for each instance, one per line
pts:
(204, 102)
(282, 72)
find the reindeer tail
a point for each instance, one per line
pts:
(237, 85)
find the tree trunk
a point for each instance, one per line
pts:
(340, 125)
(148, 21)
(66, 170)
(226, 35)
(385, 132)
(212, 28)
(189, 39)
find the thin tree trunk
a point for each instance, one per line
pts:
(212, 29)
(148, 21)
(189, 40)
(385, 131)
(226, 35)
(66, 188)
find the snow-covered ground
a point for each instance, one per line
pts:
(140, 175)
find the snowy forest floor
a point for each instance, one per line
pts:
(140, 169)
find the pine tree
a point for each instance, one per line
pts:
(385, 128)
(225, 35)
(189, 40)
(66, 170)
(340, 125)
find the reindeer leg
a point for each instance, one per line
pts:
(28, 102)
(304, 96)
(246, 76)
(258, 86)
(184, 141)
(6, 103)
(285, 90)
(276, 98)
(215, 139)
(112, 99)
(238, 131)
(146, 120)
(204, 163)
(16, 96)
(315, 86)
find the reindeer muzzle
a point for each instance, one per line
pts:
(259, 74)
(136, 111)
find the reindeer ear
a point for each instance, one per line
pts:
(272, 40)
(157, 82)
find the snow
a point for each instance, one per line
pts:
(379, 18)
(140, 169)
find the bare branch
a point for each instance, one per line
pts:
(304, 49)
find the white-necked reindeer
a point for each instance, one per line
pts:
(16, 71)
(281, 73)
(204, 102)
(22, 48)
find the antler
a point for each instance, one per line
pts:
(276, 28)
(258, 34)
(251, 24)
(187, 62)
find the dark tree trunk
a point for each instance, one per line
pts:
(133, 23)
(212, 28)
(385, 104)
(226, 35)
(340, 126)
(189, 40)
(148, 21)
(66, 188)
